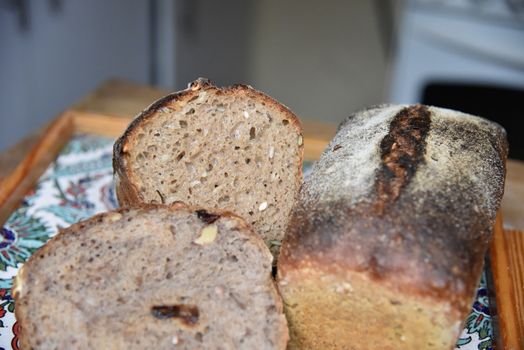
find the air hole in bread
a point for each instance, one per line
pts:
(223, 199)
(199, 337)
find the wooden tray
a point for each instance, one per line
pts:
(506, 251)
(507, 268)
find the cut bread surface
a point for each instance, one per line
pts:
(233, 148)
(151, 277)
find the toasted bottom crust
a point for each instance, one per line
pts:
(354, 312)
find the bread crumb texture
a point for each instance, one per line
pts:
(233, 148)
(135, 278)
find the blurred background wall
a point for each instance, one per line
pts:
(321, 58)
(324, 59)
(53, 52)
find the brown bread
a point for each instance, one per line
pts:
(386, 244)
(229, 148)
(151, 277)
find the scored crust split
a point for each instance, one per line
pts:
(231, 148)
(154, 276)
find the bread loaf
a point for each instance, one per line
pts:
(232, 148)
(386, 244)
(151, 277)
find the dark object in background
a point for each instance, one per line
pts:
(500, 104)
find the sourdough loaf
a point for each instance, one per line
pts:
(151, 277)
(233, 148)
(386, 244)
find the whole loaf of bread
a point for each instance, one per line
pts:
(386, 244)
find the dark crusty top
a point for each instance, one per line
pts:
(407, 194)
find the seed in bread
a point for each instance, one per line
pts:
(140, 278)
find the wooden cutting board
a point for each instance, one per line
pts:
(506, 251)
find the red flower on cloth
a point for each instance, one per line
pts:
(16, 332)
(3, 293)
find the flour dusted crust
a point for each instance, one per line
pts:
(404, 197)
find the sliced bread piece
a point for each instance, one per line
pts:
(233, 148)
(153, 277)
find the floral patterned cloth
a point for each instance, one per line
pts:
(79, 184)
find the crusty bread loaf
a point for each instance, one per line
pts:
(151, 277)
(386, 244)
(232, 148)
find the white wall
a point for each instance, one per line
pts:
(63, 55)
(321, 58)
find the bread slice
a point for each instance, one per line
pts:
(151, 277)
(386, 245)
(232, 148)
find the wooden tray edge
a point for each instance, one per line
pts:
(15, 186)
(507, 297)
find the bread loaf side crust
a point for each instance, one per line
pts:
(126, 191)
(406, 196)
